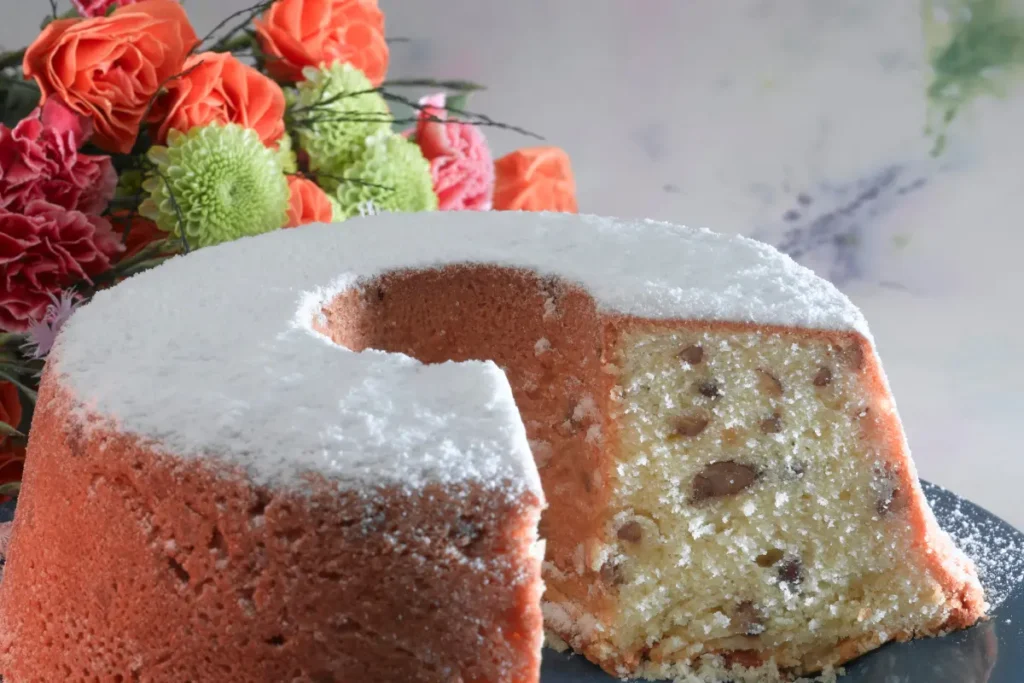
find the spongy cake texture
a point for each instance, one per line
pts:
(765, 513)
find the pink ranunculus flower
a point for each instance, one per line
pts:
(460, 161)
(98, 8)
(44, 249)
(39, 160)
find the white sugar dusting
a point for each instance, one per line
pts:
(213, 354)
(997, 552)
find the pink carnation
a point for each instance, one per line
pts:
(43, 333)
(98, 8)
(43, 250)
(460, 162)
(39, 160)
(5, 539)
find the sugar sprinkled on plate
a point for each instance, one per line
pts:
(997, 550)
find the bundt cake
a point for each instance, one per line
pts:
(259, 462)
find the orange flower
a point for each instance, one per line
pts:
(308, 203)
(295, 34)
(217, 88)
(108, 68)
(141, 233)
(534, 179)
(10, 407)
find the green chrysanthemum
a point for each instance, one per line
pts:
(286, 155)
(332, 122)
(226, 183)
(390, 175)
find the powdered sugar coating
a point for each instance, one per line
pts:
(995, 548)
(213, 354)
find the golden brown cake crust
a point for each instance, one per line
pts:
(558, 351)
(129, 565)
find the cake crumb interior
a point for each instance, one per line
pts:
(753, 511)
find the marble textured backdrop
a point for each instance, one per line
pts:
(803, 123)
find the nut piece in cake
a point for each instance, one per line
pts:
(723, 478)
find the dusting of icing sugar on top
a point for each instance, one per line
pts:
(644, 268)
(214, 353)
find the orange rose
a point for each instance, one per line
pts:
(10, 407)
(108, 68)
(308, 203)
(295, 34)
(217, 88)
(534, 179)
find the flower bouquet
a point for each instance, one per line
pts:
(127, 139)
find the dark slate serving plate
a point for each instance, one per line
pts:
(991, 652)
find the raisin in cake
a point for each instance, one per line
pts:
(267, 444)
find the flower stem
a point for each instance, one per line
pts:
(116, 203)
(10, 338)
(236, 43)
(9, 59)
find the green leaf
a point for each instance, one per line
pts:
(17, 99)
(458, 102)
(12, 366)
(142, 266)
(151, 256)
(12, 339)
(12, 488)
(8, 430)
(457, 86)
(70, 14)
(28, 391)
